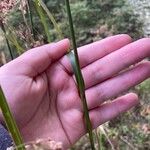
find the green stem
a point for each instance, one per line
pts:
(9, 48)
(10, 122)
(43, 19)
(7, 42)
(52, 19)
(11, 37)
(31, 18)
(79, 77)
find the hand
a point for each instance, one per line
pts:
(41, 91)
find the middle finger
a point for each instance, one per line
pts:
(115, 62)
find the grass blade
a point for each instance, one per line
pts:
(7, 41)
(79, 78)
(11, 36)
(50, 16)
(31, 40)
(10, 122)
(31, 18)
(43, 19)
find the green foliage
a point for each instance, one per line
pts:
(89, 17)
(124, 21)
(43, 19)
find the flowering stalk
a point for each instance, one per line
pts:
(23, 8)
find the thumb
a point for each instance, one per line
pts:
(36, 60)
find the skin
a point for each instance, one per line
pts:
(41, 90)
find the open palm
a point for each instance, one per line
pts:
(41, 90)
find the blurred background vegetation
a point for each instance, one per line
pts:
(93, 20)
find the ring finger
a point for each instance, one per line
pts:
(116, 85)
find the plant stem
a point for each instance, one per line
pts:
(43, 19)
(30, 39)
(31, 18)
(9, 48)
(52, 19)
(79, 77)
(11, 37)
(10, 122)
(7, 42)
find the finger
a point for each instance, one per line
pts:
(36, 60)
(111, 64)
(97, 50)
(111, 110)
(115, 86)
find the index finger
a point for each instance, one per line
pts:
(92, 52)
